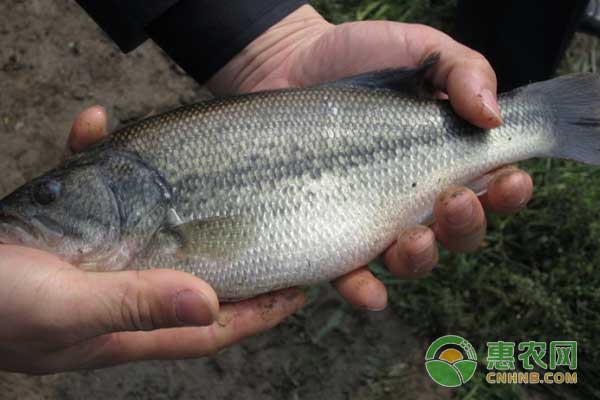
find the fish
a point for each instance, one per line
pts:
(262, 191)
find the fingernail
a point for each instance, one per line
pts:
(374, 295)
(192, 308)
(490, 106)
(377, 301)
(99, 109)
(459, 209)
(415, 236)
(516, 180)
(417, 241)
(295, 297)
(421, 259)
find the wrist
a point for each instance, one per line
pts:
(266, 59)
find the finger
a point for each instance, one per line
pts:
(362, 289)
(414, 255)
(102, 302)
(236, 321)
(464, 74)
(88, 128)
(508, 192)
(471, 86)
(460, 221)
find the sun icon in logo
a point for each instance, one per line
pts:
(451, 361)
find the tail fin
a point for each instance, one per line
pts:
(575, 103)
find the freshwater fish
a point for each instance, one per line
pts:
(291, 187)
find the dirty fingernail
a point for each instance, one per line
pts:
(415, 243)
(295, 297)
(423, 261)
(416, 236)
(459, 209)
(192, 308)
(490, 106)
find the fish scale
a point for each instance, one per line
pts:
(291, 187)
(330, 195)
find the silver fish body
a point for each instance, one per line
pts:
(277, 189)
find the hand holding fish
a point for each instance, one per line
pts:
(56, 317)
(78, 319)
(304, 50)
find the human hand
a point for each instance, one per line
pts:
(56, 317)
(303, 49)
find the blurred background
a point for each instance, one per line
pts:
(534, 279)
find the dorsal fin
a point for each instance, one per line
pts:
(408, 80)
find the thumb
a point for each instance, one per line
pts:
(88, 128)
(138, 301)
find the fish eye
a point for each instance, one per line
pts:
(46, 192)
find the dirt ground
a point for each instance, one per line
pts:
(54, 61)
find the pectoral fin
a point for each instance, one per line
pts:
(215, 238)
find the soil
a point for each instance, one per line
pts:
(54, 61)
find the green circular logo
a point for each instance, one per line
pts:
(451, 361)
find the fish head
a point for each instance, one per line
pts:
(71, 212)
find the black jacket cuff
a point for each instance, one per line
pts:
(200, 35)
(124, 21)
(203, 35)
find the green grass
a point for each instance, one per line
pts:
(536, 278)
(431, 12)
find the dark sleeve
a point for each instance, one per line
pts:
(523, 40)
(200, 35)
(124, 20)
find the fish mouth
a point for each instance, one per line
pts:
(40, 232)
(15, 230)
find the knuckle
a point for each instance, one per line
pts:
(476, 63)
(477, 57)
(136, 311)
(102, 351)
(473, 58)
(219, 336)
(427, 31)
